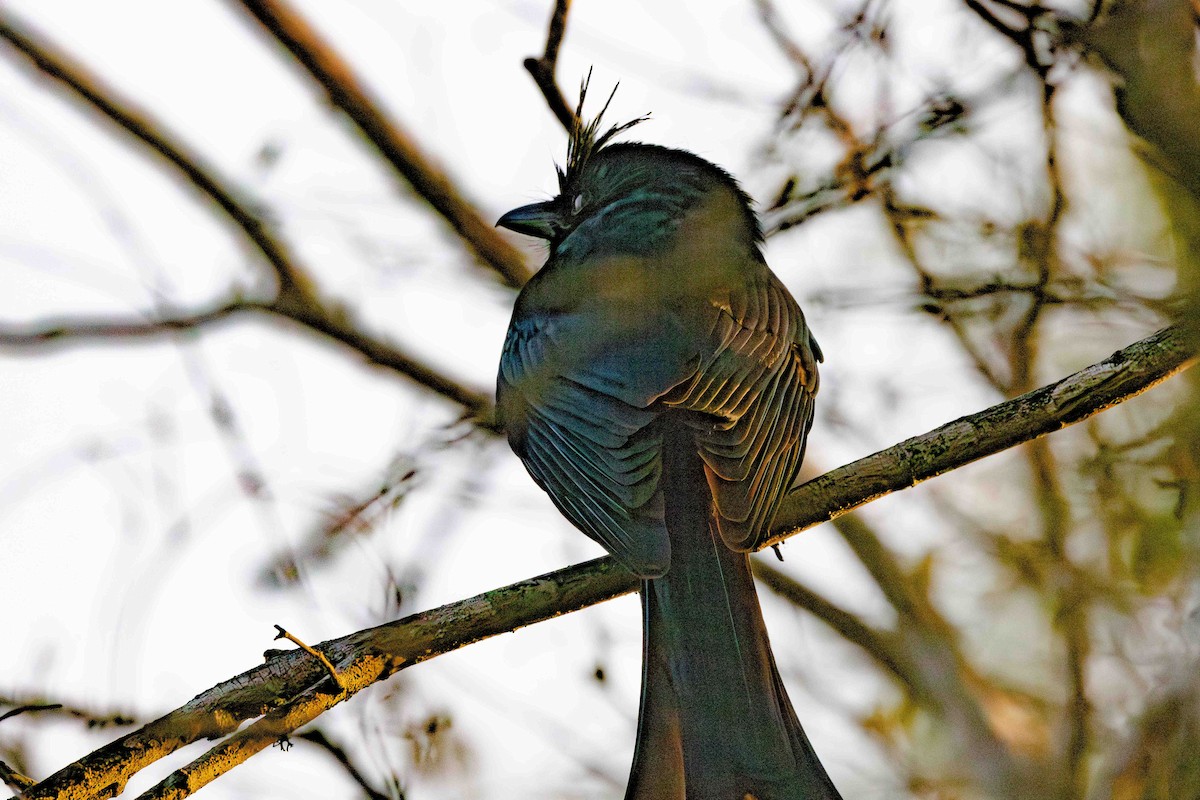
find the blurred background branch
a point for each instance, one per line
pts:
(395, 146)
(297, 297)
(542, 69)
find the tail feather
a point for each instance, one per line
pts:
(657, 772)
(715, 721)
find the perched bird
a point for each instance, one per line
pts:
(658, 381)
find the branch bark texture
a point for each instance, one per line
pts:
(1124, 374)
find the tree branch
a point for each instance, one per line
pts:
(92, 718)
(937, 669)
(542, 69)
(288, 692)
(138, 123)
(67, 331)
(14, 779)
(878, 644)
(297, 298)
(318, 738)
(292, 688)
(1021, 36)
(1122, 375)
(396, 145)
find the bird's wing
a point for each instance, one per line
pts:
(575, 394)
(580, 394)
(754, 389)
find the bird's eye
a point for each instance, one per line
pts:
(577, 204)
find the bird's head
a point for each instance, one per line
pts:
(623, 197)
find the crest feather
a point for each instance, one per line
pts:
(586, 139)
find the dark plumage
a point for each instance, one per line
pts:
(658, 381)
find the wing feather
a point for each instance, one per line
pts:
(585, 399)
(597, 456)
(759, 380)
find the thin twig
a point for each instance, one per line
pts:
(543, 69)
(137, 122)
(312, 651)
(318, 738)
(38, 336)
(1021, 37)
(90, 717)
(768, 15)
(896, 213)
(30, 707)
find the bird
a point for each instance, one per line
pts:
(657, 380)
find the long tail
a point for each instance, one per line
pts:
(715, 721)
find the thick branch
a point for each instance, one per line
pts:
(293, 688)
(396, 145)
(288, 688)
(13, 779)
(1122, 375)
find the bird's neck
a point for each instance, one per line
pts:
(651, 249)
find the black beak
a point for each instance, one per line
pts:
(539, 219)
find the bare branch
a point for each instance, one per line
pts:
(396, 145)
(318, 738)
(63, 332)
(29, 707)
(853, 182)
(1122, 375)
(938, 671)
(880, 645)
(542, 69)
(337, 325)
(925, 663)
(287, 688)
(91, 717)
(1021, 36)
(297, 298)
(348, 516)
(285, 692)
(14, 779)
(768, 15)
(133, 120)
